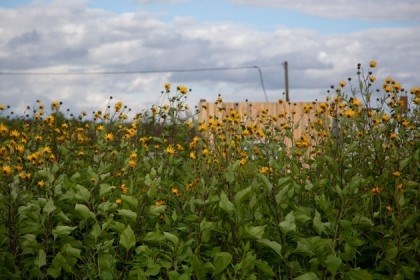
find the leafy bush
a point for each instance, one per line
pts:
(164, 197)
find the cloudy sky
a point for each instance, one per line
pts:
(322, 41)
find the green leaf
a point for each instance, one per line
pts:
(157, 210)
(62, 230)
(105, 189)
(275, 246)
(362, 221)
(267, 183)
(83, 211)
(401, 200)
(264, 267)
(70, 251)
(404, 163)
(242, 194)
(96, 231)
(358, 274)
(127, 238)
(281, 194)
(171, 237)
(82, 194)
(41, 259)
(49, 206)
(319, 226)
(256, 232)
(333, 263)
(230, 172)
(130, 201)
(221, 261)
(307, 276)
(173, 275)
(128, 214)
(154, 236)
(225, 204)
(289, 223)
(392, 253)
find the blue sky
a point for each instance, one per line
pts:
(322, 43)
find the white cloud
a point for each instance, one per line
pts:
(52, 38)
(364, 9)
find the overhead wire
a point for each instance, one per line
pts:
(131, 72)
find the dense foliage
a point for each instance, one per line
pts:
(164, 197)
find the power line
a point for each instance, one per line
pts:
(128, 72)
(131, 72)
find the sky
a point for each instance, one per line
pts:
(322, 41)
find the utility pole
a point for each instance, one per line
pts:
(286, 80)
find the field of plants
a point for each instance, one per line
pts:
(157, 195)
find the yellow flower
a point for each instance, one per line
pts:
(202, 127)
(124, 188)
(183, 89)
(7, 170)
(388, 88)
(349, 113)
(50, 119)
(396, 174)
(170, 150)
(100, 127)
(342, 83)
(159, 202)
(192, 155)
(175, 191)
(118, 201)
(356, 102)
(14, 133)
(41, 184)
(405, 123)
(265, 169)
(132, 163)
(385, 118)
(376, 190)
(55, 105)
(372, 63)
(372, 78)
(3, 129)
(393, 136)
(167, 87)
(243, 161)
(109, 137)
(118, 106)
(179, 147)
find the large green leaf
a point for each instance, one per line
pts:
(127, 238)
(82, 194)
(49, 206)
(289, 223)
(105, 189)
(239, 196)
(221, 261)
(62, 230)
(275, 246)
(83, 211)
(41, 259)
(358, 274)
(256, 232)
(333, 263)
(225, 204)
(130, 201)
(128, 214)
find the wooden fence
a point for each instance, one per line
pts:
(297, 112)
